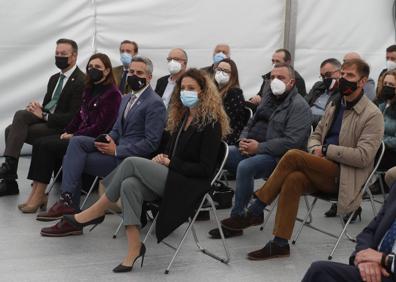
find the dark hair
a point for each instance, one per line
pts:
(287, 56)
(234, 77)
(391, 48)
(107, 63)
(131, 42)
(331, 61)
(362, 68)
(72, 43)
(289, 68)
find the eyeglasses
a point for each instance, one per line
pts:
(175, 59)
(223, 70)
(327, 74)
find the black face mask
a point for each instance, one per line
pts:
(62, 62)
(327, 82)
(94, 74)
(347, 87)
(136, 83)
(388, 93)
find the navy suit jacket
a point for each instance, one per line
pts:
(140, 133)
(372, 235)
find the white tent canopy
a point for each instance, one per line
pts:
(313, 29)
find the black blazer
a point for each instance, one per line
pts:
(69, 101)
(372, 235)
(234, 106)
(190, 172)
(162, 82)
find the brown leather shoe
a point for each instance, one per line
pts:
(215, 233)
(242, 222)
(61, 229)
(56, 212)
(271, 250)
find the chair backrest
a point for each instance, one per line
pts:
(377, 161)
(248, 114)
(221, 160)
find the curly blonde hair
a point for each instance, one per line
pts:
(209, 108)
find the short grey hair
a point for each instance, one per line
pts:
(146, 61)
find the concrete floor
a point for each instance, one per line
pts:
(26, 256)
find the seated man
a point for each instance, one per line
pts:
(374, 255)
(280, 56)
(324, 91)
(282, 122)
(390, 57)
(128, 49)
(340, 157)
(220, 52)
(61, 102)
(136, 132)
(177, 64)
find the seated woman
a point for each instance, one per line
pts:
(97, 114)
(227, 81)
(181, 175)
(387, 88)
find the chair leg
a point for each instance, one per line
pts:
(382, 186)
(372, 201)
(270, 210)
(202, 249)
(89, 192)
(305, 220)
(341, 234)
(307, 205)
(150, 229)
(118, 228)
(53, 181)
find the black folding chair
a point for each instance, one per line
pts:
(223, 154)
(332, 198)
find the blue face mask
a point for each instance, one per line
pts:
(126, 58)
(218, 57)
(189, 98)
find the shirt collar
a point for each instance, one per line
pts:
(69, 72)
(138, 93)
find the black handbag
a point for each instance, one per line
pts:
(222, 194)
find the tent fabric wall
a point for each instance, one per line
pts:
(254, 29)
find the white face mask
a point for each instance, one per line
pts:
(174, 67)
(222, 77)
(278, 87)
(390, 65)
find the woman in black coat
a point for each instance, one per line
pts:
(180, 176)
(227, 81)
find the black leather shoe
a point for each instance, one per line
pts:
(8, 169)
(215, 233)
(332, 212)
(8, 187)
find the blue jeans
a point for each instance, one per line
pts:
(247, 169)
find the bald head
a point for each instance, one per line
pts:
(351, 55)
(224, 48)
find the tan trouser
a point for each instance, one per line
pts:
(297, 172)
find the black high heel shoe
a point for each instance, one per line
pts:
(72, 220)
(357, 213)
(332, 212)
(123, 268)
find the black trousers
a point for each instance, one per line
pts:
(25, 127)
(47, 154)
(388, 160)
(328, 271)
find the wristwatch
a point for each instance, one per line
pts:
(45, 116)
(324, 150)
(389, 261)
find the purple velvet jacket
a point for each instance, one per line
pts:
(97, 113)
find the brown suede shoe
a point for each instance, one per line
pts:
(56, 212)
(61, 229)
(215, 233)
(271, 250)
(242, 222)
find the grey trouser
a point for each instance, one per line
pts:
(135, 180)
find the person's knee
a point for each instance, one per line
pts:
(22, 115)
(294, 183)
(293, 154)
(247, 167)
(316, 269)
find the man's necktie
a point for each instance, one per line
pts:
(56, 95)
(129, 105)
(123, 81)
(389, 239)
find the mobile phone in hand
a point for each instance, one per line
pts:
(102, 138)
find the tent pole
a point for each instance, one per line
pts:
(289, 39)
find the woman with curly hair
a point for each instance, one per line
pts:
(180, 176)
